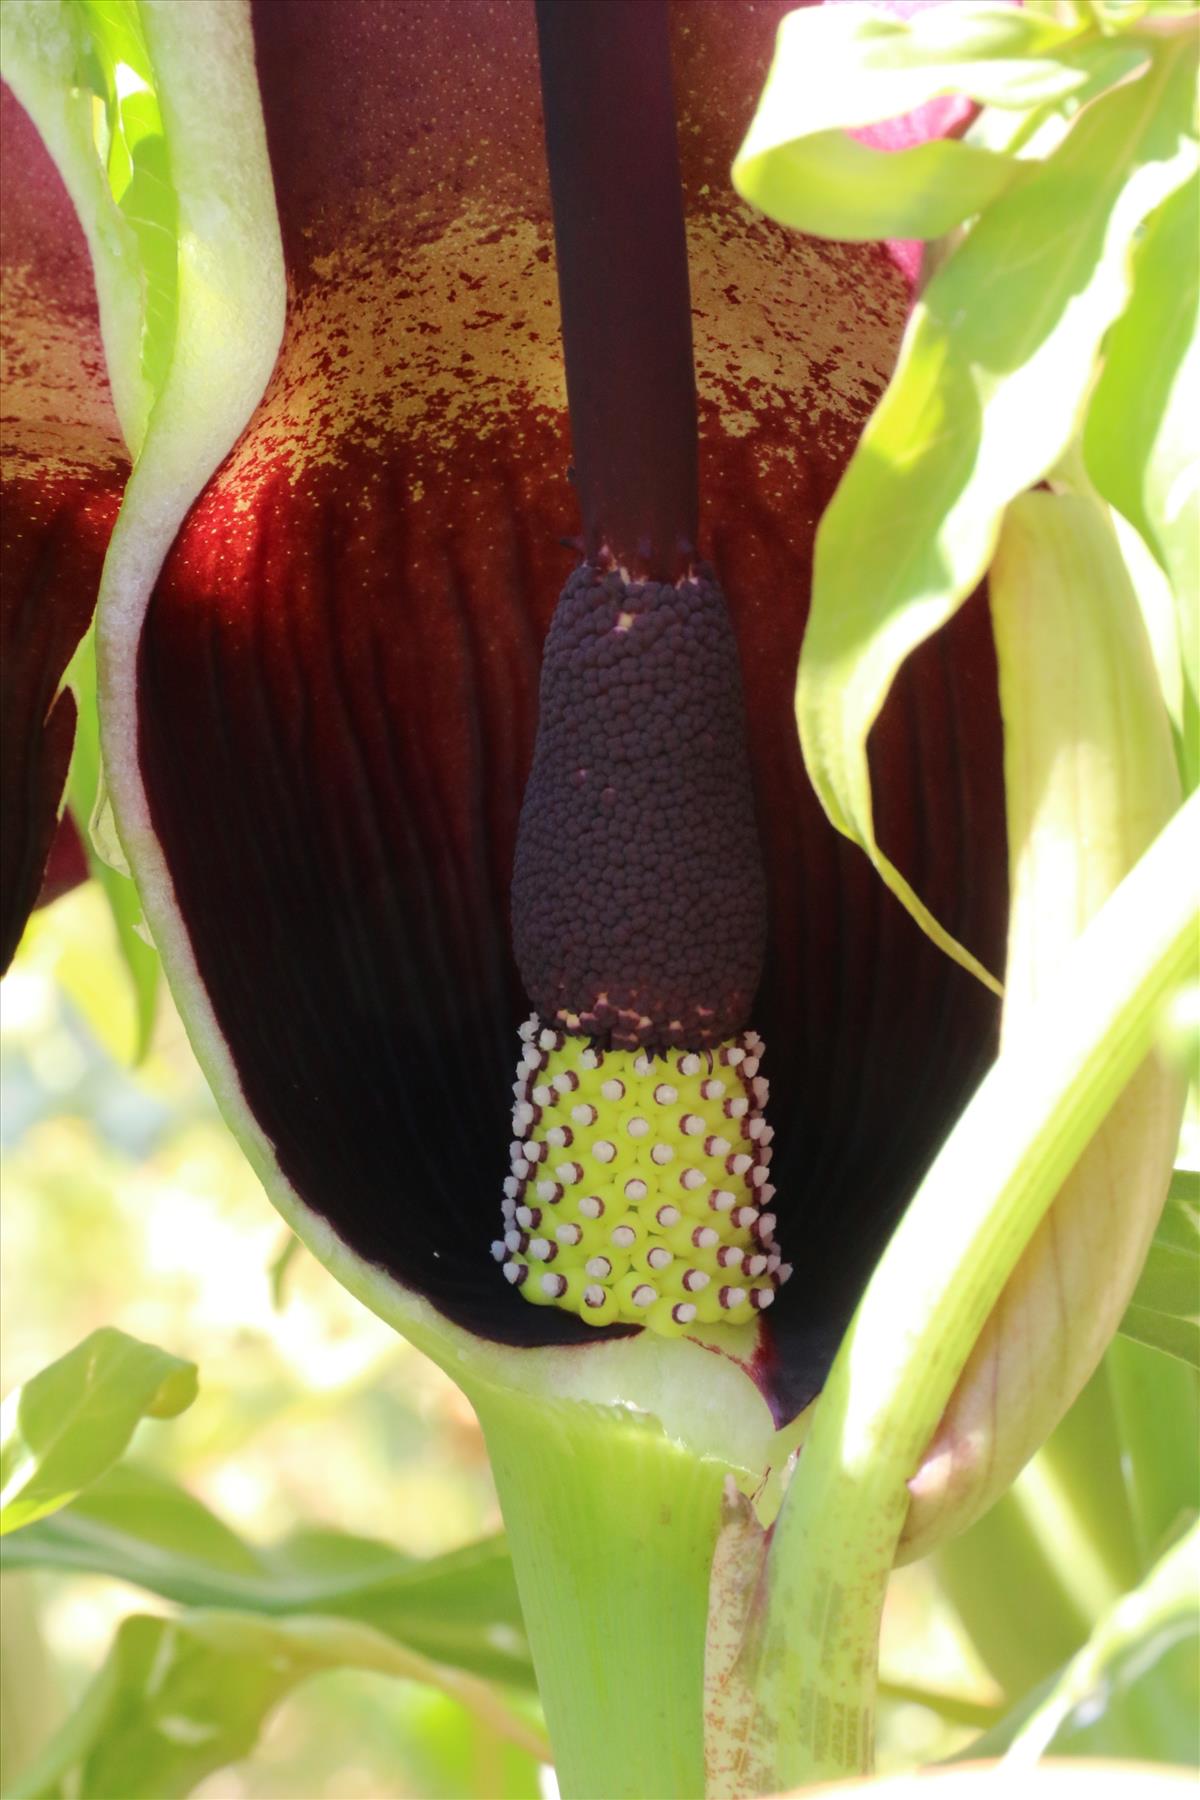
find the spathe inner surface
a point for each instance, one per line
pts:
(339, 666)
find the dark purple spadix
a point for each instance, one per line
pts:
(621, 256)
(638, 890)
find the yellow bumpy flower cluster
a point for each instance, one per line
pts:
(640, 1189)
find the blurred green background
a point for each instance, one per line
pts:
(127, 1203)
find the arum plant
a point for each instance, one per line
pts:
(466, 347)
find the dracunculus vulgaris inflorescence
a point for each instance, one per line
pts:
(321, 639)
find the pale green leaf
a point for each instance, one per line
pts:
(831, 185)
(63, 1429)
(139, 1527)
(1164, 1311)
(1157, 1399)
(1165, 1331)
(1131, 1692)
(1009, 1551)
(1135, 15)
(115, 63)
(840, 67)
(1140, 436)
(938, 1280)
(84, 793)
(993, 372)
(179, 1698)
(42, 58)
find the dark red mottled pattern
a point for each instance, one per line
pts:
(339, 667)
(63, 472)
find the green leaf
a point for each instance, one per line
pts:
(841, 67)
(1131, 1691)
(114, 63)
(83, 71)
(1132, 15)
(179, 1698)
(1157, 1399)
(992, 374)
(63, 1429)
(84, 793)
(813, 1653)
(1164, 1312)
(1010, 1551)
(1139, 438)
(135, 1526)
(41, 59)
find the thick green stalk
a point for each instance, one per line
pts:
(612, 1526)
(812, 1658)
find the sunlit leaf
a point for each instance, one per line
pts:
(178, 1698)
(994, 369)
(83, 791)
(1157, 1401)
(1131, 1691)
(115, 63)
(840, 67)
(63, 1429)
(1139, 439)
(956, 1245)
(139, 1527)
(1164, 1312)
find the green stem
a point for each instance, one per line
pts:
(814, 1654)
(612, 1526)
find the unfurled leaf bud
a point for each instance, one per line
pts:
(1090, 778)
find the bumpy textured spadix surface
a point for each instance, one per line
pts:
(640, 1189)
(638, 892)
